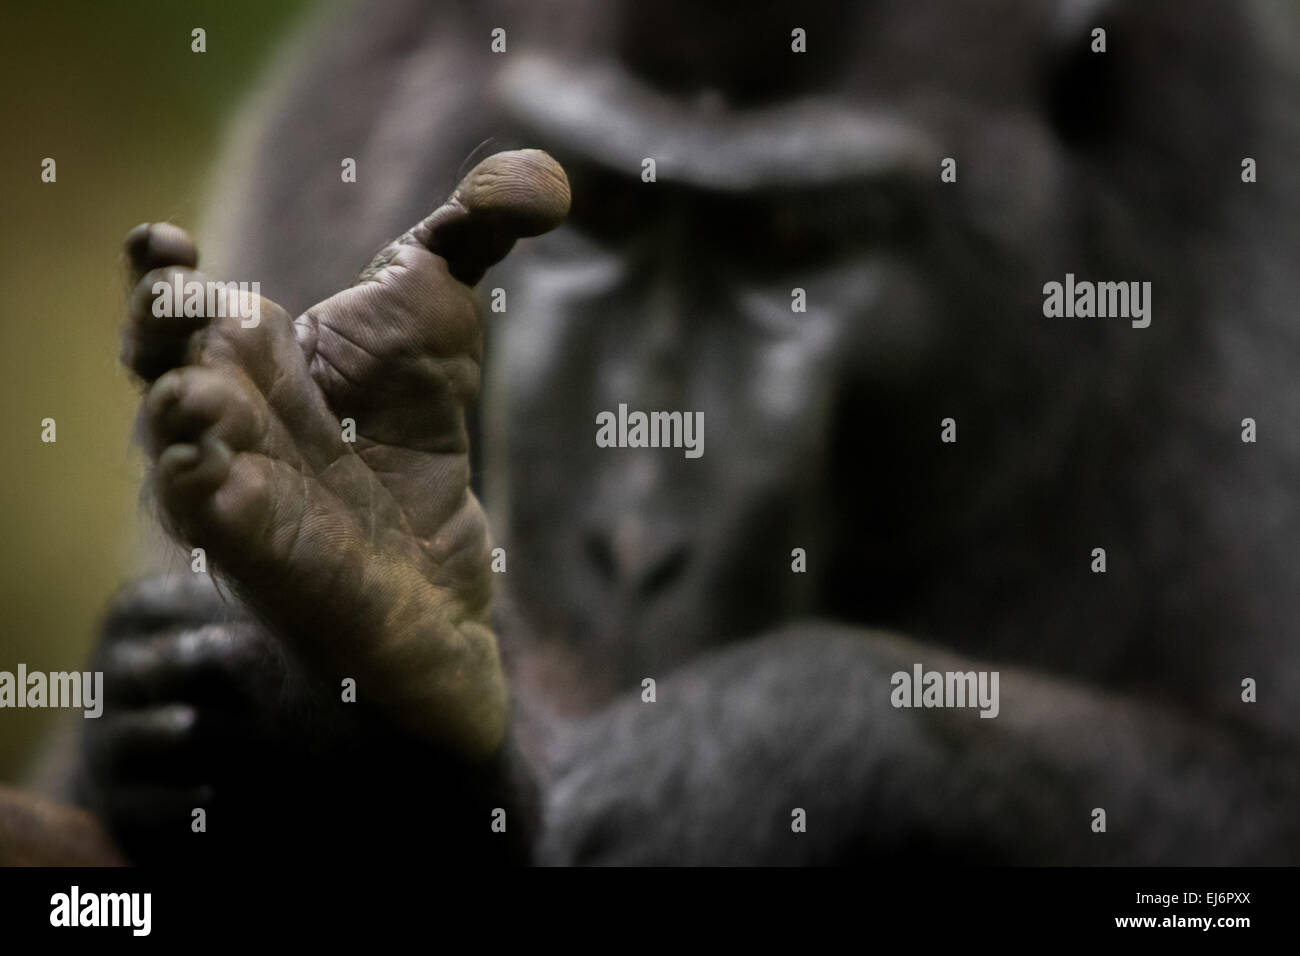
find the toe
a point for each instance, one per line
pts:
(153, 245)
(188, 403)
(156, 338)
(186, 476)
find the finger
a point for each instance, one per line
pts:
(174, 744)
(154, 245)
(153, 744)
(506, 197)
(167, 601)
(215, 663)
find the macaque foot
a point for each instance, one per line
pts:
(323, 462)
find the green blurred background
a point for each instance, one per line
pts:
(133, 118)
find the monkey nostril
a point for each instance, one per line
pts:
(646, 569)
(663, 574)
(600, 553)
